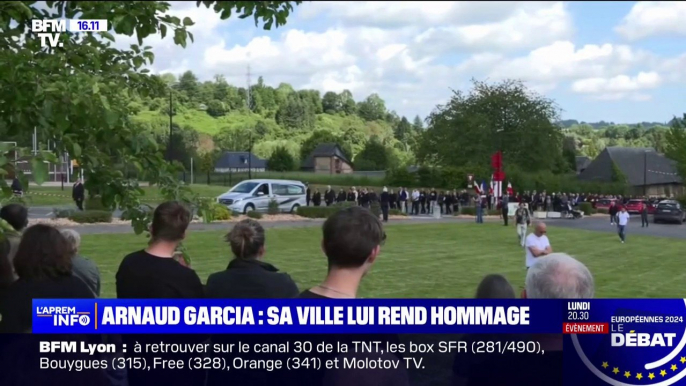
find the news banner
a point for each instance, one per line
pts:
(617, 342)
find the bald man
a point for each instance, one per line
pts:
(537, 244)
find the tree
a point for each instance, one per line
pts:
(372, 108)
(79, 94)
(348, 102)
(569, 154)
(503, 116)
(295, 113)
(403, 130)
(216, 108)
(374, 156)
(418, 124)
(331, 103)
(188, 83)
(675, 148)
(281, 160)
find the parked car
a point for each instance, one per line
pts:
(669, 211)
(604, 203)
(256, 194)
(634, 206)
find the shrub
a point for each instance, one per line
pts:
(63, 213)
(94, 203)
(682, 200)
(318, 211)
(396, 212)
(281, 160)
(255, 215)
(493, 212)
(273, 207)
(587, 208)
(603, 210)
(91, 217)
(220, 212)
(468, 210)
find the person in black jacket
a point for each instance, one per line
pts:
(317, 198)
(385, 202)
(78, 194)
(393, 197)
(308, 194)
(17, 189)
(329, 196)
(247, 276)
(352, 195)
(44, 266)
(422, 200)
(372, 196)
(341, 196)
(431, 201)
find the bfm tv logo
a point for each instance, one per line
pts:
(54, 26)
(64, 316)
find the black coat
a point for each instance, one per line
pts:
(78, 192)
(341, 197)
(385, 199)
(250, 279)
(317, 198)
(329, 197)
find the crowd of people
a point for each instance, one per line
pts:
(43, 262)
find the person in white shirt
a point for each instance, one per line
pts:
(415, 202)
(537, 245)
(622, 222)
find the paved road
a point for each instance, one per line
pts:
(591, 223)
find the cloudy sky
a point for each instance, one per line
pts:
(614, 61)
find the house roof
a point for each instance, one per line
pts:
(582, 163)
(636, 164)
(325, 150)
(240, 159)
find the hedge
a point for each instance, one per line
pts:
(323, 211)
(603, 210)
(586, 208)
(396, 212)
(91, 217)
(63, 213)
(254, 215)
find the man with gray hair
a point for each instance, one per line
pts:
(82, 268)
(559, 276)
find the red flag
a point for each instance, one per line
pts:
(497, 160)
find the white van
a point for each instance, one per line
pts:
(255, 195)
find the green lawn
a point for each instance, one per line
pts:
(55, 196)
(437, 260)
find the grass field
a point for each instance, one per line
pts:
(437, 260)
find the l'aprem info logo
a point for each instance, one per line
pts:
(49, 31)
(64, 316)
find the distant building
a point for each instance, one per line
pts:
(644, 169)
(582, 163)
(327, 158)
(239, 162)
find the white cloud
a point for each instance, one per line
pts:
(524, 28)
(654, 18)
(412, 53)
(619, 87)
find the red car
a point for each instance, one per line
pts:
(604, 203)
(635, 206)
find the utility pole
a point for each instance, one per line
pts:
(248, 101)
(250, 158)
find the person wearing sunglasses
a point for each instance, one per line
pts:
(537, 245)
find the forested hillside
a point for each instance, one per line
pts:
(296, 120)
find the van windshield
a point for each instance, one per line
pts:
(245, 187)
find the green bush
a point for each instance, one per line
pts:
(468, 210)
(603, 210)
(63, 213)
(587, 208)
(220, 212)
(493, 212)
(323, 211)
(396, 212)
(273, 207)
(682, 200)
(94, 203)
(255, 215)
(91, 217)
